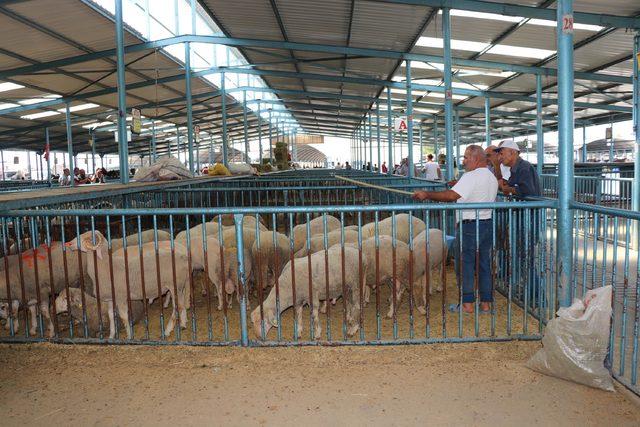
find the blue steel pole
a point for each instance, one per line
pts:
(635, 199)
(378, 136)
(370, 144)
(259, 134)
(487, 121)
(270, 140)
(420, 139)
(584, 143)
(411, 173)
(178, 142)
(435, 136)
(46, 141)
(224, 120)
(389, 132)
(123, 143)
(244, 119)
(93, 152)
(612, 139)
(539, 132)
(154, 154)
(448, 98)
(70, 145)
(457, 135)
(565, 150)
(187, 81)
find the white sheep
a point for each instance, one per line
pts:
(316, 226)
(226, 278)
(435, 252)
(351, 284)
(269, 259)
(386, 227)
(316, 243)
(37, 261)
(152, 288)
(75, 310)
(132, 239)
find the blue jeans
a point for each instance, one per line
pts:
(466, 259)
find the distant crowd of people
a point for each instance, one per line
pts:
(80, 177)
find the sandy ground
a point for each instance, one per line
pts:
(454, 384)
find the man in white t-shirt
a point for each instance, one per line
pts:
(432, 169)
(477, 185)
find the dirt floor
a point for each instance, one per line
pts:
(453, 384)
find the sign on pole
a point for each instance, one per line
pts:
(400, 124)
(136, 121)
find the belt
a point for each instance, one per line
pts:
(469, 221)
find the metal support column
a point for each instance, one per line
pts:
(223, 94)
(411, 173)
(635, 197)
(584, 143)
(539, 131)
(123, 143)
(154, 151)
(244, 119)
(48, 148)
(389, 132)
(611, 153)
(487, 121)
(270, 139)
(448, 95)
(2, 161)
(178, 142)
(70, 142)
(370, 144)
(259, 134)
(378, 136)
(187, 82)
(565, 151)
(436, 147)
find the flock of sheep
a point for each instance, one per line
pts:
(296, 268)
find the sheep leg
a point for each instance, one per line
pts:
(399, 291)
(172, 320)
(299, 320)
(167, 300)
(112, 321)
(316, 322)
(124, 317)
(44, 308)
(33, 330)
(220, 296)
(182, 307)
(323, 307)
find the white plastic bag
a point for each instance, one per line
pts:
(164, 169)
(576, 342)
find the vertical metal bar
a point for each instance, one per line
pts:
(70, 142)
(435, 136)
(187, 82)
(565, 149)
(270, 140)
(46, 141)
(370, 144)
(420, 141)
(584, 143)
(223, 94)
(2, 163)
(154, 154)
(539, 132)
(635, 197)
(487, 121)
(259, 134)
(244, 119)
(123, 143)
(448, 99)
(389, 132)
(378, 136)
(409, 101)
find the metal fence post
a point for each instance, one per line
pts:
(448, 96)
(539, 131)
(564, 29)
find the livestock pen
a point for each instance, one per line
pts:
(323, 296)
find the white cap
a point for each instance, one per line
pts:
(508, 144)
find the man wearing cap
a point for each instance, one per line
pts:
(524, 181)
(477, 185)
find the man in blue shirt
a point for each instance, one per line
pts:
(524, 180)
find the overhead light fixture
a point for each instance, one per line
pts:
(6, 86)
(505, 18)
(45, 98)
(80, 107)
(39, 115)
(499, 49)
